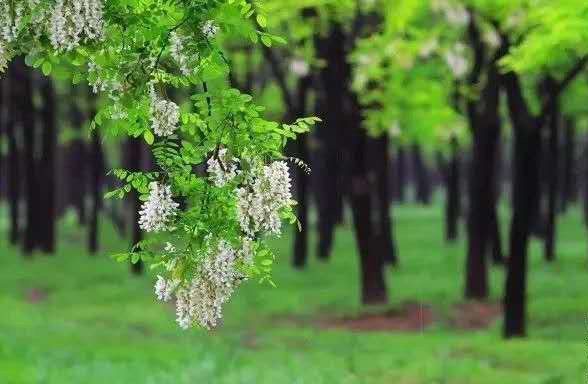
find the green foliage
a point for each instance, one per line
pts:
(140, 53)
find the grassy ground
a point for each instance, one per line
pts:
(71, 318)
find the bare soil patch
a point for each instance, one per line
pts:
(409, 317)
(475, 315)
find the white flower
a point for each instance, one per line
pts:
(169, 247)
(259, 204)
(455, 59)
(157, 212)
(246, 251)
(74, 21)
(394, 130)
(221, 169)
(428, 48)
(299, 67)
(209, 29)
(202, 302)
(165, 114)
(177, 51)
(457, 16)
(492, 38)
(164, 288)
(4, 58)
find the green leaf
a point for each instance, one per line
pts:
(267, 41)
(262, 21)
(46, 68)
(148, 136)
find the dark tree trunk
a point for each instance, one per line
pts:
(97, 172)
(26, 113)
(552, 186)
(373, 284)
(13, 171)
(46, 215)
(328, 107)
(134, 153)
(383, 231)
(343, 107)
(77, 158)
(484, 124)
(526, 179)
(569, 171)
(302, 180)
(525, 185)
(453, 195)
(400, 175)
(496, 239)
(422, 177)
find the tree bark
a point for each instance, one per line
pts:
(77, 160)
(525, 184)
(134, 153)
(422, 177)
(385, 243)
(329, 102)
(484, 124)
(97, 172)
(13, 171)
(26, 114)
(400, 175)
(552, 187)
(453, 195)
(569, 190)
(302, 179)
(46, 215)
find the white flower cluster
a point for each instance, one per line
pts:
(202, 302)
(165, 288)
(4, 57)
(492, 38)
(165, 114)
(74, 20)
(259, 203)
(221, 169)
(158, 210)
(178, 53)
(456, 60)
(429, 48)
(209, 29)
(455, 14)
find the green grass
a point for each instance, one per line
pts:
(98, 324)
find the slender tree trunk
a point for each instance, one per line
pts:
(134, 153)
(569, 186)
(422, 177)
(381, 164)
(13, 171)
(302, 181)
(97, 171)
(400, 181)
(32, 232)
(453, 196)
(496, 239)
(301, 234)
(329, 102)
(46, 215)
(373, 283)
(553, 156)
(526, 179)
(77, 158)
